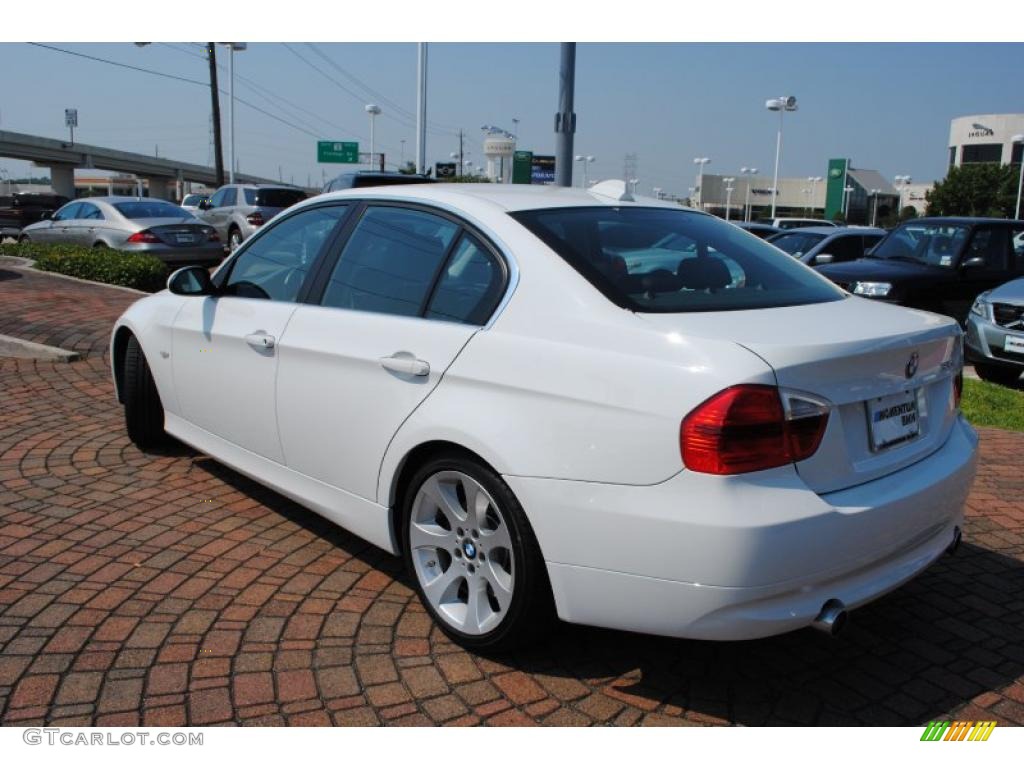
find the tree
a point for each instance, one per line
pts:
(839, 217)
(978, 189)
(908, 212)
(408, 169)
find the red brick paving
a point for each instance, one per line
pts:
(168, 590)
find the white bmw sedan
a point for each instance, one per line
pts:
(549, 400)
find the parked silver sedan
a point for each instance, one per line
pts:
(995, 332)
(133, 224)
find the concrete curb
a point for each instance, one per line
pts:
(30, 350)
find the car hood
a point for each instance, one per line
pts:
(1011, 292)
(881, 270)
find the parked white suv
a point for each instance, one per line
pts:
(236, 211)
(638, 414)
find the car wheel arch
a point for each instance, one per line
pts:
(118, 348)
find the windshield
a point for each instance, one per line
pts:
(274, 198)
(663, 260)
(936, 244)
(151, 209)
(797, 243)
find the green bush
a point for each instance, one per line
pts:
(104, 265)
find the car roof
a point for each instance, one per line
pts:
(506, 197)
(832, 231)
(963, 220)
(111, 199)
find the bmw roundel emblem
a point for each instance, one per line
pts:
(469, 549)
(911, 368)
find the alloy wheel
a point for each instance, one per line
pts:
(461, 550)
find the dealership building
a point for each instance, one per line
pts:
(986, 139)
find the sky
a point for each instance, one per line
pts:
(884, 106)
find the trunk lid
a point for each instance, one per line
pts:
(882, 369)
(178, 233)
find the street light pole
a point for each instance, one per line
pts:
(421, 109)
(901, 184)
(781, 105)
(565, 119)
(1019, 139)
(846, 203)
(874, 208)
(814, 188)
(749, 173)
(232, 47)
(372, 110)
(728, 196)
(586, 160)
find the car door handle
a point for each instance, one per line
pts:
(260, 340)
(408, 365)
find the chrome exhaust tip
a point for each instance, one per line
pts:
(955, 544)
(832, 619)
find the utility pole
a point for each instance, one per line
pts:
(565, 119)
(421, 109)
(461, 166)
(218, 154)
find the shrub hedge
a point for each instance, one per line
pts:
(104, 265)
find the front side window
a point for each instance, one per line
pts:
(218, 197)
(470, 285)
(68, 212)
(663, 260)
(274, 265)
(844, 248)
(925, 243)
(390, 262)
(797, 243)
(991, 245)
(1017, 243)
(230, 195)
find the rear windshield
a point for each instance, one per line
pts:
(193, 199)
(274, 198)
(926, 243)
(797, 243)
(151, 209)
(662, 260)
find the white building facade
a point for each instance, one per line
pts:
(985, 139)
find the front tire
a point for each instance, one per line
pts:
(143, 411)
(472, 555)
(997, 374)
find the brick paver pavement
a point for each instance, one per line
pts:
(167, 589)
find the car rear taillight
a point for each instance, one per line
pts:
(748, 427)
(958, 388)
(145, 236)
(212, 236)
(255, 218)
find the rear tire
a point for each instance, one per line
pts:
(143, 411)
(100, 245)
(477, 567)
(997, 374)
(234, 240)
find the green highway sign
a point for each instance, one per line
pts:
(337, 151)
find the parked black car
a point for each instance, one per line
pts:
(359, 179)
(19, 210)
(759, 228)
(939, 263)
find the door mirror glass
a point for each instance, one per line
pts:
(975, 262)
(191, 281)
(823, 258)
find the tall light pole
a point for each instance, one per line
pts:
(421, 108)
(700, 162)
(633, 183)
(814, 188)
(586, 160)
(657, 192)
(782, 105)
(874, 208)
(565, 118)
(232, 47)
(847, 191)
(1019, 139)
(372, 110)
(749, 173)
(728, 180)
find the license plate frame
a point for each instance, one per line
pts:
(893, 419)
(185, 239)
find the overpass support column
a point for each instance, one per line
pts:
(159, 187)
(62, 179)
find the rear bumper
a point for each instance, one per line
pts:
(758, 555)
(209, 254)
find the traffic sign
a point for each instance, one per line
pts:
(444, 170)
(337, 151)
(71, 118)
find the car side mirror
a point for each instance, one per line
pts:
(191, 281)
(204, 205)
(47, 216)
(975, 262)
(824, 258)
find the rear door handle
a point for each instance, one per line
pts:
(260, 340)
(409, 365)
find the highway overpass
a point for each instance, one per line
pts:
(62, 157)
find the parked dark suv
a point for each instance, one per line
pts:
(938, 264)
(19, 210)
(359, 179)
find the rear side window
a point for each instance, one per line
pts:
(274, 198)
(470, 285)
(663, 260)
(390, 262)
